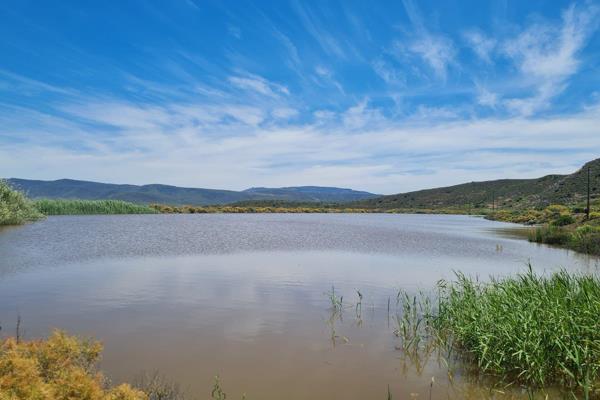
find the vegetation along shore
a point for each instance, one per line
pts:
(90, 207)
(559, 225)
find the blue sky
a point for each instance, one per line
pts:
(386, 96)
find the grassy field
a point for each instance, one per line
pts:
(15, 208)
(90, 207)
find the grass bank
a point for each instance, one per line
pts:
(90, 207)
(15, 208)
(558, 225)
(584, 238)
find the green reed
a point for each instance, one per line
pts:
(536, 330)
(217, 392)
(90, 207)
(413, 321)
(336, 302)
(539, 331)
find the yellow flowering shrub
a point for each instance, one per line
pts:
(59, 368)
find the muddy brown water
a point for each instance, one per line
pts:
(243, 296)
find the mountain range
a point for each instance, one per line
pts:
(165, 194)
(509, 193)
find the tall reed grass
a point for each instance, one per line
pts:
(537, 330)
(90, 207)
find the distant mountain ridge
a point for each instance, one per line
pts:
(505, 193)
(511, 193)
(166, 194)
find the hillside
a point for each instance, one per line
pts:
(573, 188)
(507, 193)
(165, 194)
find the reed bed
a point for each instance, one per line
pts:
(537, 331)
(531, 329)
(90, 207)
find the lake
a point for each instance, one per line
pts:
(244, 295)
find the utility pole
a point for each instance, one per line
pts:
(587, 210)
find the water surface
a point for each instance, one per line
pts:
(242, 295)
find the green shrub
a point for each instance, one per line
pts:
(563, 220)
(15, 208)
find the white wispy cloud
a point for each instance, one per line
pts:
(486, 98)
(284, 112)
(434, 113)
(323, 71)
(23, 84)
(325, 77)
(292, 50)
(361, 115)
(436, 50)
(258, 85)
(246, 114)
(315, 27)
(388, 73)
(481, 44)
(547, 55)
(172, 142)
(324, 115)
